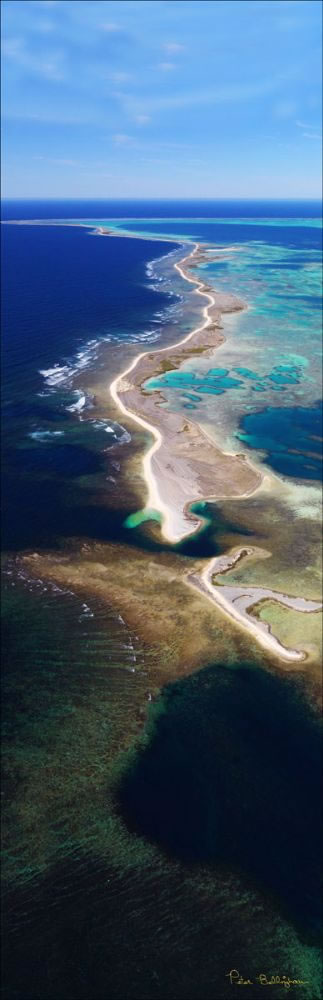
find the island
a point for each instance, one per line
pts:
(184, 465)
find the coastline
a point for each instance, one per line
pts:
(184, 465)
(192, 481)
(95, 230)
(177, 522)
(238, 602)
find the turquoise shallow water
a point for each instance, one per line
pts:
(271, 354)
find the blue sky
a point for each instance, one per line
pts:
(161, 98)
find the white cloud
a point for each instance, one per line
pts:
(306, 125)
(173, 47)
(48, 65)
(110, 27)
(54, 117)
(84, 167)
(312, 135)
(166, 67)
(12, 47)
(142, 119)
(95, 174)
(285, 109)
(121, 139)
(120, 77)
(290, 22)
(65, 163)
(45, 27)
(59, 161)
(236, 93)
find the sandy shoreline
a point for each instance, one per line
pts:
(183, 466)
(238, 602)
(95, 230)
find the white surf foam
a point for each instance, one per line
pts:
(121, 436)
(45, 435)
(80, 403)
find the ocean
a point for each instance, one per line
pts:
(73, 298)
(110, 888)
(64, 296)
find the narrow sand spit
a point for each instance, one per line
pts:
(238, 601)
(182, 466)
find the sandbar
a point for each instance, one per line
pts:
(183, 466)
(238, 601)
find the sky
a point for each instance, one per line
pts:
(161, 98)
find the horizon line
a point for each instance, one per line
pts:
(159, 198)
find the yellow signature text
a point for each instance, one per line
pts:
(264, 980)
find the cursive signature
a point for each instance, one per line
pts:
(237, 980)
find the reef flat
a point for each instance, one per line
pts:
(184, 465)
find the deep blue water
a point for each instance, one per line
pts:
(62, 286)
(64, 291)
(164, 208)
(291, 439)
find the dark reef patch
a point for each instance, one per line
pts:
(229, 774)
